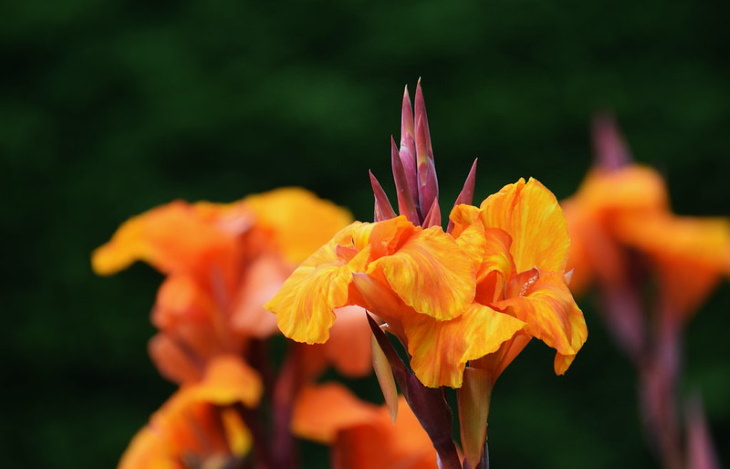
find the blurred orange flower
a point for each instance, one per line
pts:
(199, 425)
(652, 269)
(362, 435)
(627, 208)
(485, 287)
(222, 262)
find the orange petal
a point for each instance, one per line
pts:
(321, 411)
(632, 188)
(703, 241)
(148, 450)
(440, 349)
(430, 273)
(174, 361)
(581, 226)
(552, 316)
(304, 305)
(263, 278)
(385, 237)
(489, 247)
(684, 286)
(185, 311)
(691, 254)
(298, 221)
(362, 435)
(495, 363)
(228, 380)
(172, 238)
(382, 444)
(188, 429)
(530, 214)
(382, 301)
(238, 436)
(605, 199)
(181, 298)
(463, 216)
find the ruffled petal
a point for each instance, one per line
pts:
(385, 444)
(489, 247)
(530, 214)
(172, 238)
(187, 316)
(552, 316)
(148, 450)
(228, 380)
(463, 216)
(691, 254)
(633, 187)
(703, 241)
(440, 349)
(322, 411)
(195, 426)
(430, 273)
(304, 305)
(362, 435)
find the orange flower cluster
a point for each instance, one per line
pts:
(627, 208)
(221, 262)
(199, 425)
(652, 269)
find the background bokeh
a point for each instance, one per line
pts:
(108, 108)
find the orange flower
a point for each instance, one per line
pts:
(362, 435)
(199, 425)
(652, 269)
(627, 209)
(473, 294)
(450, 297)
(222, 262)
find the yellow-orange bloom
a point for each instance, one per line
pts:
(199, 426)
(222, 262)
(616, 210)
(451, 297)
(362, 435)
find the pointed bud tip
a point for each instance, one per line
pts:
(610, 148)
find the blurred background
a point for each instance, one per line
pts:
(108, 108)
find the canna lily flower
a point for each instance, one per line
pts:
(222, 262)
(628, 209)
(625, 240)
(200, 425)
(361, 435)
(463, 301)
(490, 282)
(623, 232)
